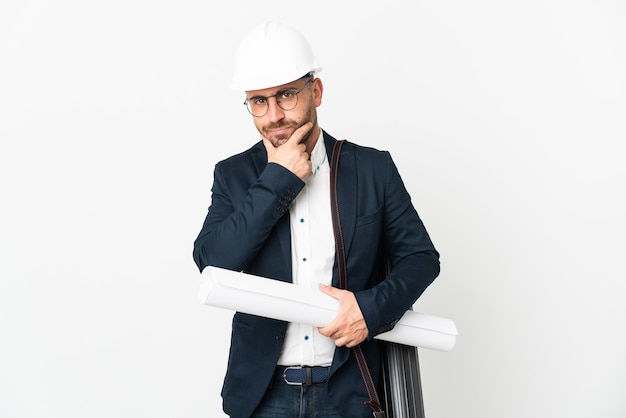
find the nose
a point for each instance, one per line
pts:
(274, 112)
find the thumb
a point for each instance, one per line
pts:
(329, 290)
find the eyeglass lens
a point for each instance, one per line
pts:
(285, 99)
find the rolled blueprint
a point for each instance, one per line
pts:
(275, 299)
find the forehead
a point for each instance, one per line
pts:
(272, 90)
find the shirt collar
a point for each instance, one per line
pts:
(318, 155)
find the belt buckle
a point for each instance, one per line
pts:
(285, 376)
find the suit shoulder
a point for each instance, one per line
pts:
(243, 157)
(370, 153)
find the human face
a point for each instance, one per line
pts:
(277, 125)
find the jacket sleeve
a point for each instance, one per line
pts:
(412, 260)
(243, 211)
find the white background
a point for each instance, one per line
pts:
(506, 120)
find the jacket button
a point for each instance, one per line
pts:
(279, 336)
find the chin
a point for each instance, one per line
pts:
(277, 142)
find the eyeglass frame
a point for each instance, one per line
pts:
(275, 96)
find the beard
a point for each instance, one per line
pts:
(288, 126)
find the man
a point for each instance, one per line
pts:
(270, 215)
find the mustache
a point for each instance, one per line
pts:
(278, 126)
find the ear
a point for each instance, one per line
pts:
(318, 89)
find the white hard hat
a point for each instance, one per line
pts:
(270, 55)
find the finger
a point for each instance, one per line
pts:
(351, 344)
(329, 290)
(339, 342)
(299, 133)
(346, 340)
(329, 330)
(325, 331)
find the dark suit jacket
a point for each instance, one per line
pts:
(247, 229)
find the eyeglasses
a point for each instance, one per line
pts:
(286, 99)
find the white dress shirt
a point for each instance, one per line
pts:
(313, 256)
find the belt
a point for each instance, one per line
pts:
(296, 375)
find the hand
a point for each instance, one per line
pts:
(349, 327)
(292, 154)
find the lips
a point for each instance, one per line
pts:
(280, 131)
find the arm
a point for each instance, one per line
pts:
(410, 253)
(244, 210)
(239, 221)
(398, 235)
